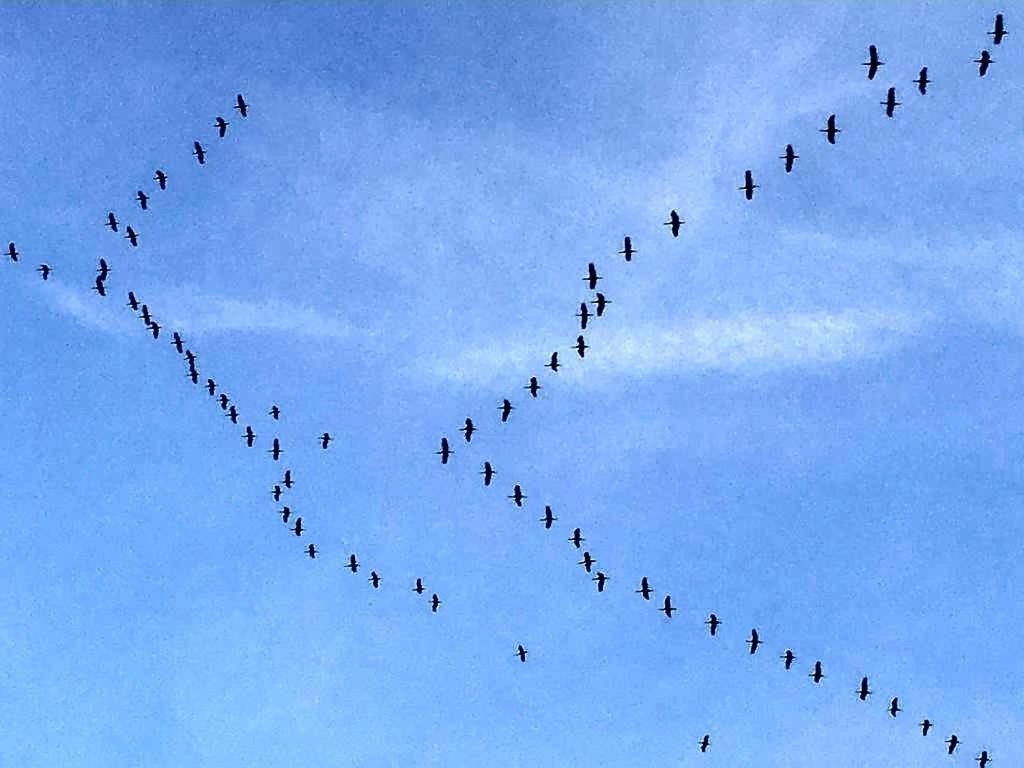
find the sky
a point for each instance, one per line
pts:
(802, 414)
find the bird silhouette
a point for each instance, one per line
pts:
(951, 744)
(830, 129)
(713, 622)
(199, 152)
(143, 199)
(224, 399)
(872, 63)
(790, 157)
(553, 363)
(645, 589)
(222, 126)
(674, 221)
(276, 492)
(233, 414)
(1000, 31)
(285, 513)
(748, 185)
(788, 658)
(325, 440)
(926, 725)
(533, 386)
(627, 248)
(178, 343)
(44, 270)
(133, 303)
(250, 437)
(817, 675)
(576, 538)
(287, 480)
(506, 409)
(146, 317)
(863, 692)
(667, 608)
(435, 602)
(155, 329)
(468, 430)
(600, 578)
(600, 303)
(548, 518)
(211, 387)
(160, 178)
(193, 374)
(104, 270)
(587, 562)
(983, 63)
(297, 528)
(521, 653)
(445, 451)
(592, 276)
(311, 551)
(418, 589)
(517, 495)
(890, 102)
(353, 564)
(190, 356)
(275, 452)
(274, 412)
(894, 706)
(111, 222)
(581, 347)
(583, 315)
(983, 759)
(754, 642)
(375, 579)
(98, 287)
(131, 236)
(922, 81)
(241, 106)
(705, 743)
(488, 473)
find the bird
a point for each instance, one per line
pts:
(250, 436)
(274, 412)
(517, 495)
(788, 658)
(146, 317)
(418, 589)
(468, 430)
(131, 236)
(863, 692)
(98, 287)
(12, 252)
(445, 451)
(233, 414)
(133, 303)
(178, 343)
(674, 221)
(576, 538)
(192, 373)
(155, 328)
(533, 386)
(600, 579)
(922, 81)
(645, 589)
(160, 178)
(553, 364)
(104, 270)
(830, 129)
(374, 579)
(311, 551)
(627, 248)
(287, 480)
(276, 492)
(754, 641)
(199, 152)
(190, 356)
(297, 528)
(926, 725)
(983, 759)
(817, 675)
(600, 303)
(790, 156)
(111, 222)
(713, 622)
(587, 562)
(890, 102)
(705, 743)
(548, 518)
(435, 602)
(748, 185)
(894, 706)
(325, 440)
(275, 452)
(581, 347)
(222, 126)
(583, 315)
(241, 106)
(951, 744)
(143, 199)
(488, 473)
(521, 653)
(667, 607)
(999, 32)
(983, 63)
(285, 513)
(506, 409)
(872, 63)
(592, 276)
(44, 270)
(353, 564)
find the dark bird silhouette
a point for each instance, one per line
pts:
(1000, 31)
(872, 63)
(600, 303)
(435, 602)
(890, 102)
(133, 303)
(576, 538)
(517, 495)
(667, 608)
(241, 106)
(583, 315)
(951, 744)
(600, 579)
(521, 653)
(44, 270)
(275, 452)
(817, 675)
(224, 399)
(233, 414)
(830, 129)
(178, 342)
(104, 270)
(468, 430)
(445, 451)
(922, 81)
(325, 440)
(353, 564)
(285, 513)
(276, 492)
(12, 252)
(418, 589)
(754, 642)
(627, 248)
(983, 63)
(587, 562)
(674, 221)
(548, 518)
(926, 725)
(193, 374)
(297, 528)
(274, 412)
(645, 590)
(581, 347)
(131, 236)
(111, 222)
(533, 386)
(374, 579)
(488, 473)
(190, 356)
(788, 658)
(98, 287)
(199, 152)
(705, 743)
(287, 480)
(790, 156)
(155, 328)
(553, 364)
(311, 551)
(146, 317)
(222, 126)
(983, 759)
(713, 623)
(894, 706)
(863, 692)
(592, 276)
(748, 185)
(160, 178)
(143, 199)
(506, 409)
(250, 437)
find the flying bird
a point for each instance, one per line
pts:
(830, 129)
(581, 347)
(44, 270)
(199, 152)
(12, 251)
(418, 589)
(600, 303)
(445, 451)
(468, 430)
(576, 538)
(155, 328)
(788, 658)
(111, 222)
(517, 495)
(131, 236)
(863, 692)
(667, 608)
(161, 179)
(435, 602)
(276, 493)
(143, 199)
(250, 436)
(705, 743)
(193, 374)
(533, 386)
(241, 106)
(223, 401)
(353, 564)
(983, 759)
(488, 473)
(926, 725)
(521, 653)
(894, 706)
(592, 276)
(274, 412)
(713, 623)
(374, 579)
(98, 287)
(872, 63)
(146, 317)
(211, 387)
(817, 675)
(190, 356)
(133, 303)
(553, 364)
(754, 641)
(506, 409)
(748, 185)
(790, 156)
(583, 315)
(999, 32)
(951, 744)
(325, 440)
(287, 480)
(627, 248)
(104, 270)
(178, 343)
(645, 589)
(587, 562)
(983, 63)
(600, 579)
(285, 513)
(222, 126)
(890, 102)
(548, 518)
(297, 528)
(233, 414)
(922, 81)
(275, 452)
(674, 221)
(311, 551)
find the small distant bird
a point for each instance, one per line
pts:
(817, 675)
(951, 744)
(922, 81)
(111, 222)
(521, 653)
(143, 199)
(999, 32)
(418, 589)
(506, 409)
(583, 315)
(872, 63)
(445, 451)
(553, 364)
(250, 436)
(146, 317)
(44, 270)
(311, 551)
(713, 623)
(601, 303)
(155, 328)
(983, 759)
(926, 725)
(98, 287)
(645, 589)
(224, 401)
(576, 538)
(190, 356)
(193, 374)
(754, 641)
(287, 480)
(517, 495)
(276, 492)
(748, 185)
(233, 414)
(353, 564)
(325, 440)
(548, 518)
(297, 528)
(600, 579)
(533, 386)
(894, 706)
(592, 276)
(274, 412)
(627, 248)
(667, 607)
(587, 562)
(581, 347)
(285, 513)
(788, 658)
(241, 106)
(374, 579)
(435, 602)
(705, 743)
(12, 252)
(674, 221)
(468, 430)
(863, 692)
(222, 126)
(199, 152)
(133, 303)
(178, 343)
(275, 452)
(131, 236)
(983, 63)
(830, 129)
(890, 102)
(161, 179)
(104, 270)
(790, 156)
(211, 387)
(488, 473)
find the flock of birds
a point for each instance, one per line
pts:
(599, 302)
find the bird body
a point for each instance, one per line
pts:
(521, 653)
(951, 744)
(533, 386)
(667, 608)
(926, 725)
(311, 551)
(577, 538)
(713, 623)
(600, 578)
(922, 81)
(549, 517)
(506, 409)
(583, 315)
(587, 562)
(517, 495)
(418, 588)
(44, 270)
(111, 222)
(674, 221)
(754, 642)
(890, 102)
(131, 236)
(894, 706)
(627, 248)
(600, 303)
(435, 602)
(375, 579)
(222, 126)
(488, 473)
(143, 199)
(645, 589)
(817, 675)
(830, 129)
(468, 430)
(353, 564)
(983, 63)
(12, 252)
(705, 743)
(790, 157)
(748, 185)
(789, 657)
(275, 451)
(592, 276)
(999, 32)
(160, 178)
(445, 452)
(199, 152)
(250, 437)
(873, 62)
(241, 106)
(863, 692)
(553, 363)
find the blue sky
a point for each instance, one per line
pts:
(803, 414)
